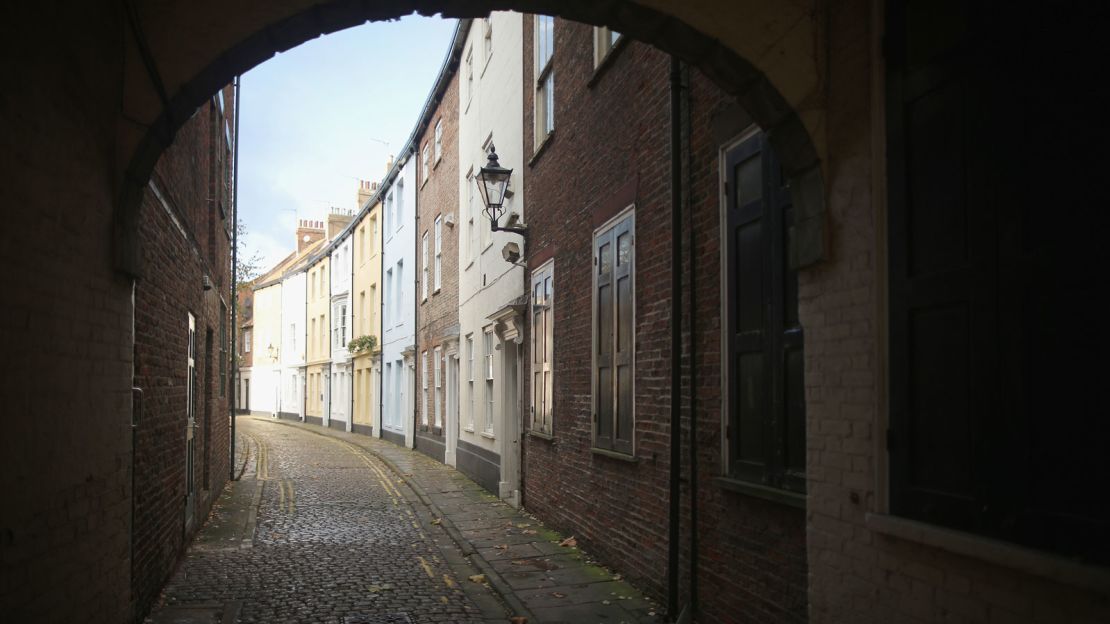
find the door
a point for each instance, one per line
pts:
(510, 425)
(326, 399)
(190, 423)
(451, 426)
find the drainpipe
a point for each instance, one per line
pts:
(234, 277)
(350, 358)
(676, 340)
(693, 375)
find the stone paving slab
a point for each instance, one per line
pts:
(521, 558)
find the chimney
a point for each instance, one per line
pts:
(389, 164)
(308, 232)
(366, 189)
(338, 218)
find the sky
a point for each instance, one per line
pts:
(320, 117)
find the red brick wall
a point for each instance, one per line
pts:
(175, 264)
(752, 552)
(438, 196)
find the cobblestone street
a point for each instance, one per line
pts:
(332, 527)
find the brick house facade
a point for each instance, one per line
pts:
(610, 135)
(437, 270)
(182, 317)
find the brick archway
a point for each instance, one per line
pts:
(172, 72)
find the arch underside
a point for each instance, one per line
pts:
(758, 100)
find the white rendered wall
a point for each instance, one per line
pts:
(489, 282)
(398, 292)
(293, 341)
(266, 371)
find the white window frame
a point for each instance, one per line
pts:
(487, 37)
(424, 266)
(438, 252)
(487, 347)
(437, 387)
(247, 341)
(424, 387)
(470, 381)
(469, 75)
(424, 163)
(471, 220)
(543, 341)
(439, 140)
(543, 44)
(400, 203)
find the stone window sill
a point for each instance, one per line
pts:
(775, 495)
(614, 455)
(488, 434)
(1021, 558)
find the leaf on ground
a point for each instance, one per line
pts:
(477, 578)
(570, 541)
(518, 619)
(528, 532)
(605, 602)
(437, 522)
(559, 594)
(523, 525)
(502, 547)
(519, 562)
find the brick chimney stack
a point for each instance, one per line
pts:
(308, 231)
(366, 190)
(338, 218)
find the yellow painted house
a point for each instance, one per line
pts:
(366, 299)
(318, 355)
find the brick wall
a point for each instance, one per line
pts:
(439, 314)
(752, 554)
(176, 263)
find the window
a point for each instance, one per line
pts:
(362, 244)
(487, 343)
(614, 300)
(545, 80)
(371, 317)
(469, 75)
(487, 37)
(223, 349)
(246, 341)
(542, 347)
(362, 325)
(436, 359)
(439, 140)
(400, 293)
(323, 326)
(373, 236)
(400, 203)
(470, 380)
(339, 325)
(424, 267)
(765, 402)
(293, 340)
(471, 219)
(389, 298)
(312, 284)
(390, 217)
(424, 166)
(604, 40)
(439, 251)
(312, 333)
(424, 387)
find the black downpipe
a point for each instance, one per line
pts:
(693, 397)
(234, 277)
(676, 338)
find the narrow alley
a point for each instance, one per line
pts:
(326, 526)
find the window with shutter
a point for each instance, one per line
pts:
(614, 335)
(765, 393)
(994, 374)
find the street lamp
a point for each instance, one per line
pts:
(493, 181)
(271, 350)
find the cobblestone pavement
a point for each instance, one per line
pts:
(327, 526)
(336, 541)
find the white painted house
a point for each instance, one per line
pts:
(490, 289)
(398, 300)
(266, 372)
(293, 344)
(342, 324)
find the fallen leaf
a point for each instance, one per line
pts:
(519, 562)
(523, 525)
(616, 577)
(570, 541)
(477, 578)
(502, 546)
(518, 619)
(605, 602)
(559, 594)
(528, 532)
(437, 522)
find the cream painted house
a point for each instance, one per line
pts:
(366, 305)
